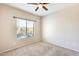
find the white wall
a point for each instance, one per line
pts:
(62, 28)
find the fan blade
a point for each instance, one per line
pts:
(44, 8)
(36, 8)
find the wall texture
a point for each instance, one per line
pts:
(62, 28)
(8, 28)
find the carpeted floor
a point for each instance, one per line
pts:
(41, 49)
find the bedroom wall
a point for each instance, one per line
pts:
(8, 39)
(62, 28)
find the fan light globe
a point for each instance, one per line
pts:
(40, 6)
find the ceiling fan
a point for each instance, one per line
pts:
(40, 5)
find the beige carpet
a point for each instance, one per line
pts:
(41, 49)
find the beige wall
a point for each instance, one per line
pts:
(8, 28)
(62, 28)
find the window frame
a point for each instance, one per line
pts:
(17, 18)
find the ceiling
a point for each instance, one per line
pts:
(52, 7)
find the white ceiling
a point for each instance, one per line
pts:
(53, 7)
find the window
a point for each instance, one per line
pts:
(25, 29)
(30, 28)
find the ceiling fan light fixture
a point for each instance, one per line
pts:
(40, 5)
